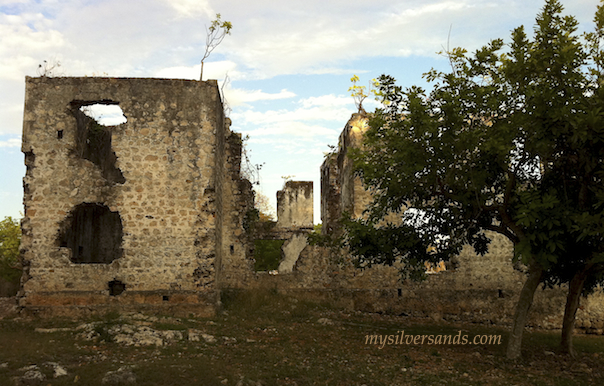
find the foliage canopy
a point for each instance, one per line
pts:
(10, 238)
(511, 141)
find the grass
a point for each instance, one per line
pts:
(264, 338)
(267, 254)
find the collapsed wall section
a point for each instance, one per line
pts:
(120, 215)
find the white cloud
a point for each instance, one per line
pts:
(12, 2)
(108, 115)
(191, 8)
(24, 39)
(11, 142)
(322, 108)
(326, 100)
(297, 129)
(180, 72)
(211, 70)
(238, 96)
(11, 107)
(303, 114)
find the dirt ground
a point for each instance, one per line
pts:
(275, 340)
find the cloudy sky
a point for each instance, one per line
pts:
(289, 62)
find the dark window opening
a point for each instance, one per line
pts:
(116, 287)
(93, 139)
(400, 292)
(232, 249)
(60, 134)
(267, 254)
(93, 233)
(165, 298)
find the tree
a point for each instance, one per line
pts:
(215, 34)
(264, 207)
(10, 238)
(510, 142)
(360, 93)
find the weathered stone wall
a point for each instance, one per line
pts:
(476, 288)
(295, 221)
(295, 205)
(235, 198)
(162, 209)
(341, 190)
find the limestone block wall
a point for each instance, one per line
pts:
(331, 209)
(341, 190)
(295, 221)
(234, 198)
(124, 214)
(291, 251)
(295, 205)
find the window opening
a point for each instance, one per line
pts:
(93, 136)
(93, 233)
(105, 114)
(267, 254)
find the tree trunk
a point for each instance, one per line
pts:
(522, 308)
(575, 288)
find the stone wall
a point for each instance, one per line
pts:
(295, 205)
(126, 215)
(295, 221)
(473, 288)
(235, 198)
(341, 191)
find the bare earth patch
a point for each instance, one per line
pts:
(8, 307)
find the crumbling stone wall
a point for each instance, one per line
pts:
(295, 221)
(295, 205)
(126, 215)
(235, 199)
(341, 190)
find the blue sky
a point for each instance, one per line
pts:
(289, 63)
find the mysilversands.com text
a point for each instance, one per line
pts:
(402, 338)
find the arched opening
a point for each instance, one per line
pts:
(93, 233)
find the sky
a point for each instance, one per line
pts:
(287, 64)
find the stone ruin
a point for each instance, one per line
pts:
(153, 214)
(138, 215)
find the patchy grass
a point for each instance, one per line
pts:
(263, 338)
(267, 254)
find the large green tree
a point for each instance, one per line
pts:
(511, 140)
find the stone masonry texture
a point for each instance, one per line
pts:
(125, 215)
